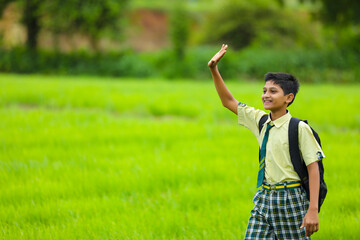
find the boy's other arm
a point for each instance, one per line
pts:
(225, 95)
(311, 219)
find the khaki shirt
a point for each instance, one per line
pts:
(278, 166)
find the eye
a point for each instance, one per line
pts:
(273, 91)
(264, 91)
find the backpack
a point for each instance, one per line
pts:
(296, 159)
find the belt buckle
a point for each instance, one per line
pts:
(272, 188)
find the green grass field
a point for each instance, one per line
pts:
(91, 158)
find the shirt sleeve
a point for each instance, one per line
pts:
(309, 147)
(249, 117)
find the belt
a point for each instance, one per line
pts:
(281, 186)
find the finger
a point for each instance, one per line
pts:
(303, 224)
(317, 228)
(311, 230)
(223, 51)
(221, 54)
(307, 229)
(308, 232)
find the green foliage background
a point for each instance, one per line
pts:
(263, 35)
(309, 65)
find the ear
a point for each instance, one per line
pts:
(289, 98)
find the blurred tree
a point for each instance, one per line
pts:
(233, 24)
(344, 17)
(340, 12)
(341, 18)
(263, 23)
(90, 17)
(31, 18)
(179, 29)
(3, 5)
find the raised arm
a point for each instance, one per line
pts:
(225, 95)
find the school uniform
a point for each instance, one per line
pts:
(280, 203)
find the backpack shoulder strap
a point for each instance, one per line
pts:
(317, 138)
(299, 165)
(262, 121)
(316, 135)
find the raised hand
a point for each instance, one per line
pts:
(215, 59)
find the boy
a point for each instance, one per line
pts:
(281, 209)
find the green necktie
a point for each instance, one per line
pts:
(261, 174)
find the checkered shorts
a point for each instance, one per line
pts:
(278, 214)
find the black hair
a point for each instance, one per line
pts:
(286, 81)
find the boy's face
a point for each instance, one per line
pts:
(273, 97)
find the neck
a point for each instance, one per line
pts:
(277, 114)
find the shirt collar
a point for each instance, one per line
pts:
(280, 121)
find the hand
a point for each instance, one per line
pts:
(311, 222)
(213, 62)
